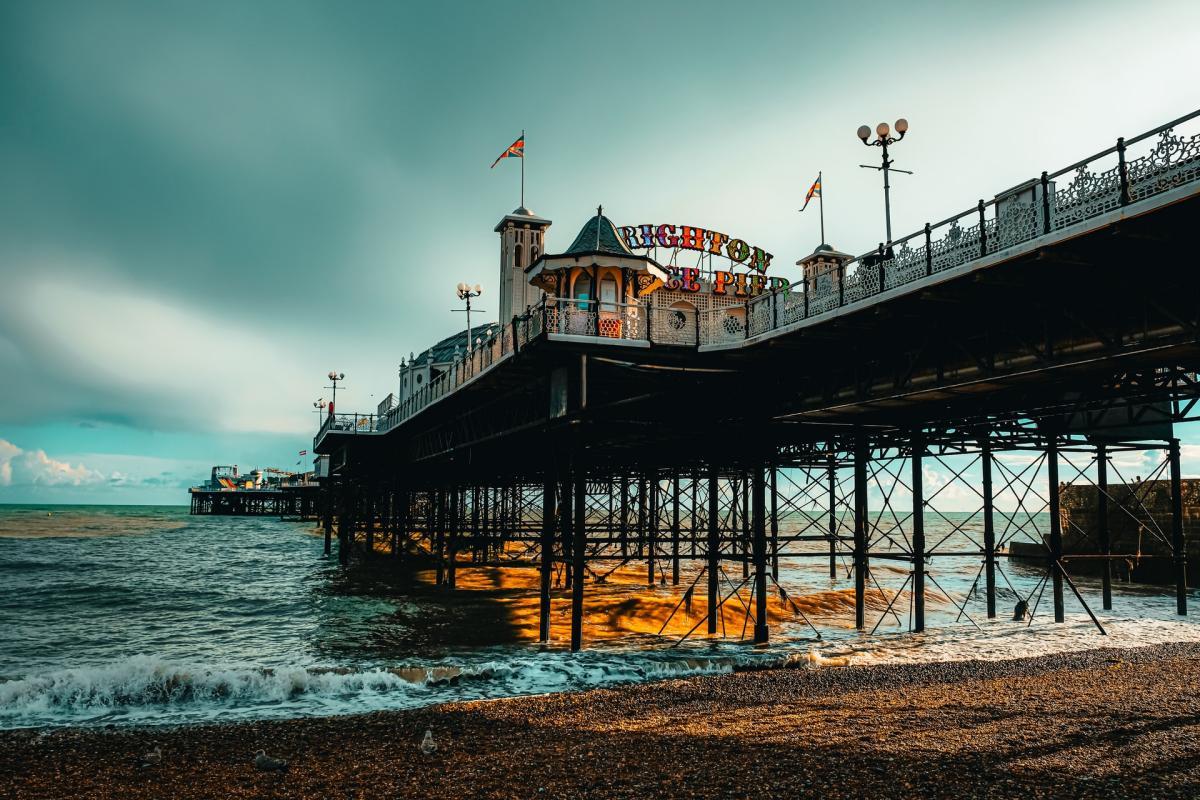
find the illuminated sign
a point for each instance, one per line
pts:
(738, 284)
(687, 237)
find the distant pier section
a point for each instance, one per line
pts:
(259, 493)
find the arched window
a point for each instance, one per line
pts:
(608, 294)
(520, 250)
(583, 290)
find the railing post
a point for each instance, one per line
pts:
(806, 288)
(928, 250)
(982, 232)
(774, 309)
(1123, 171)
(841, 272)
(1045, 202)
(697, 313)
(516, 339)
(879, 266)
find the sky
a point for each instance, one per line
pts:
(206, 207)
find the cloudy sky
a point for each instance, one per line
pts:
(207, 206)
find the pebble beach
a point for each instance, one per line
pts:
(1096, 723)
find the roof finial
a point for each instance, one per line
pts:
(599, 214)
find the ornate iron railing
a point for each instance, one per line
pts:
(1132, 170)
(1109, 180)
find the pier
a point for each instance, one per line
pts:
(260, 493)
(614, 418)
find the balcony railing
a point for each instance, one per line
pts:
(1132, 170)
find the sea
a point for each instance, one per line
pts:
(120, 616)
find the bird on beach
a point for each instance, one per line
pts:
(265, 763)
(152, 758)
(427, 745)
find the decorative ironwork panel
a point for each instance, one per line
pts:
(1089, 194)
(956, 247)
(1174, 161)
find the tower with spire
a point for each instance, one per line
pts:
(522, 241)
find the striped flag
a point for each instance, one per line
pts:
(813, 191)
(516, 150)
(303, 452)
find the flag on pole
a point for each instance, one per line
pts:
(813, 191)
(516, 150)
(303, 452)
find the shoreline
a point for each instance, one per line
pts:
(1107, 722)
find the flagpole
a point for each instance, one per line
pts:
(821, 197)
(522, 168)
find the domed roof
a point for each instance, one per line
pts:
(598, 235)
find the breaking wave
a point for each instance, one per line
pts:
(146, 690)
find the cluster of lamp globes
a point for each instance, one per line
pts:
(466, 290)
(883, 132)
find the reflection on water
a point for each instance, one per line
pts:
(151, 616)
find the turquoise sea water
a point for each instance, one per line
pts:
(145, 615)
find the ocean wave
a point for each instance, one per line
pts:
(147, 688)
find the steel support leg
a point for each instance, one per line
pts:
(833, 573)
(1102, 529)
(549, 491)
(860, 533)
(989, 529)
(675, 529)
(774, 522)
(758, 523)
(1177, 546)
(455, 522)
(1056, 543)
(567, 518)
(652, 527)
(918, 532)
(577, 555)
(714, 547)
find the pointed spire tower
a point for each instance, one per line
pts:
(522, 241)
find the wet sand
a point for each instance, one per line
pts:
(1103, 723)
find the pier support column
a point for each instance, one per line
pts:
(652, 526)
(1177, 547)
(746, 533)
(918, 532)
(566, 518)
(454, 520)
(861, 565)
(774, 522)
(400, 540)
(623, 525)
(714, 547)
(675, 529)
(549, 513)
(327, 515)
(833, 528)
(1102, 530)
(439, 534)
(759, 546)
(1056, 544)
(578, 557)
(989, 528)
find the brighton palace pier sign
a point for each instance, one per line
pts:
(688, 237)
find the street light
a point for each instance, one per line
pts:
(883, 138)
(320, 405)
(465, 293)
(334, 377)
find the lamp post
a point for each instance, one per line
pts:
(465, 293)
(883, 138)
(320, 405)
(334, 377)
